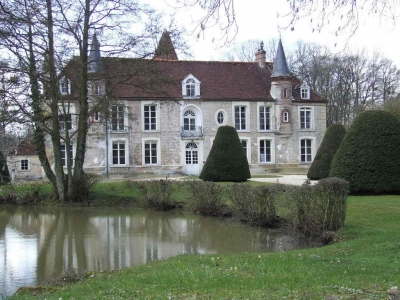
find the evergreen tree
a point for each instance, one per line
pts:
(321, 166)
(227, 160)
(369, 157)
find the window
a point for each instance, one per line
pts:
(118, 153)
(65, 122)
(189, 120)
(244, 144)
(306, 150)
(65, 87)
(265, 151)
(240, 117)
(24, 165)
(285, 116)
(117, 118)
(306, 118)
(190, 88)
(96, 89)
(96, 117)
(150, 117)
(305, 91)
(192, 155)
(285, 93)
(264, 117)
(150, 153)
(64, 155)
(220, 118)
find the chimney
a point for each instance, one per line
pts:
(260, 55)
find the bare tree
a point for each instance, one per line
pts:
(39, 38)
(245, 51)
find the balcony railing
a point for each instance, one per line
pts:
(192, 132)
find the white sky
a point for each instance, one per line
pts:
(257, 19)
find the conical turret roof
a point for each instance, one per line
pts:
(165, 49)
(280, 68)
(95, 64)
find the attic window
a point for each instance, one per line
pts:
(65, 86)
(305, 91)
(190, 87)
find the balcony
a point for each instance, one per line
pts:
(190, 132)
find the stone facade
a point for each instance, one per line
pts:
(280, 121)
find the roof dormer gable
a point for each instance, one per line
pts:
(190, 87)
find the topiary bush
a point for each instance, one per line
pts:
(369, 155)
(227, 161)
(4, 173)
(321, 166)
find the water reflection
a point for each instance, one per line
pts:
(37, 242)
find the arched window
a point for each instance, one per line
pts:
(285, 116)
(189, 120)
(190, 88)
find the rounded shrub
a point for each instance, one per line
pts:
(369, 157)
(4, 173)
(227, 160)
(321, 166)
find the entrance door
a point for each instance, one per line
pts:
(192, 159)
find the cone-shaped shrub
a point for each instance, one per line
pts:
(369, 155)
(4, 173)
(227, 160)
(321, 166)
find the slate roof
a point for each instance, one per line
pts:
(25, 148)
(280, 64)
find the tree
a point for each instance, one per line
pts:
(368, 157)
(39, 38)
(4, 173)
(321, 165)
(393, 106)
(227, 160)
(245, 51)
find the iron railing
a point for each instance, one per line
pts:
(192, 131)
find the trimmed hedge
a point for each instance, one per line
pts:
(227, 161)
(321, 166)
(369, 155)
(4, 173)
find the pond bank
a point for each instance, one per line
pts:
(363, 264)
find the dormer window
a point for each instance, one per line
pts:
(305, 91)
(65, 86)
(191, 87)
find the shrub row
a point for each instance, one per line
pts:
(27, 194)
(314, 210)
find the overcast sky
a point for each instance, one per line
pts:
(258, 19)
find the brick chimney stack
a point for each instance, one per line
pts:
(261, 55)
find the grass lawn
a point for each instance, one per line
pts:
(363, 264)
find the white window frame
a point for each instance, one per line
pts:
(225, 117)
(64, 154)
(303, 125)
(304, 91)
(285, 116)
(124, 118)
(28, 165)
(246, 116)
(193, 81)
(65, 86)
(111, 152)
(272, 146)
(259, 106)
(248, 147)
(312, 149)
(157, 117)
(158, 145)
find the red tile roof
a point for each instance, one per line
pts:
(26, 148)
(144, 78)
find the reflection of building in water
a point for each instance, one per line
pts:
(92, 239)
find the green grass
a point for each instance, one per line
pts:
(364, 264)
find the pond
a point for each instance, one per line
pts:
(37, 243)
